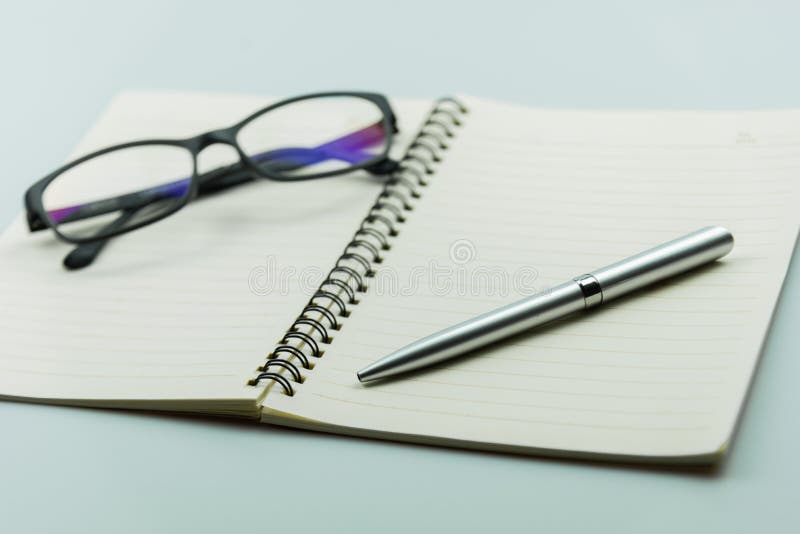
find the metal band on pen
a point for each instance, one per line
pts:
(592, 292)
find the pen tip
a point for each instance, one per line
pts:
(383, 368)
(368, 374)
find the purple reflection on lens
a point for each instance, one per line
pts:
(176, 189)
(60, 214)
(351, 149)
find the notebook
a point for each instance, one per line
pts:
(494, 202)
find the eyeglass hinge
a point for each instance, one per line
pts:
(35, 223)
(386, 166)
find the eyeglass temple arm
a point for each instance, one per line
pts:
(83, 255)
(212, 182)
(135, 200)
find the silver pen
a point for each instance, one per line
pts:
(581, 293)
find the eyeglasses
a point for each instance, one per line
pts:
(127, 186)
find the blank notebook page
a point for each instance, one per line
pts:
(535, 198)
(179, 314)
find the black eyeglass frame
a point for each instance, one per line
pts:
(244, 170)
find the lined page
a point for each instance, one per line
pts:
(527, 199)
(179, 314)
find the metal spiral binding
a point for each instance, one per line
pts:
(298, 348)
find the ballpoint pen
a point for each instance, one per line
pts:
(581, 293)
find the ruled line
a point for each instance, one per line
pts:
(389, 348)
(127, 376)
(550, 406)
(506, 387)
(645, 428)
(562, 334)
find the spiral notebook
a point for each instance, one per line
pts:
(263, 302)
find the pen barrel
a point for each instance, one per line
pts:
(648, 267)
(511, 319)
(583, 292)
(480, 331)
(659, 263)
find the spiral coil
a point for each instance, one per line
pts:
(301, 344)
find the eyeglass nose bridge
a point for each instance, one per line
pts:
(225, 137)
